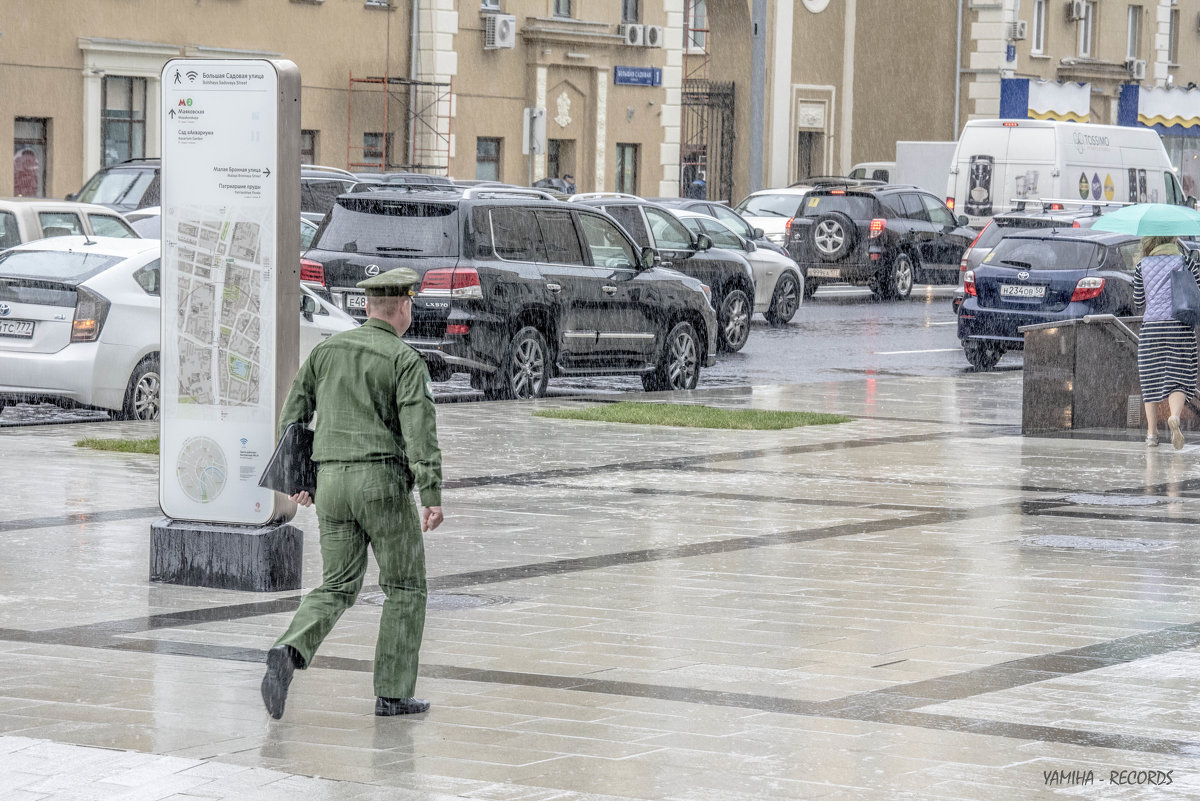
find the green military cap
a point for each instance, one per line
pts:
(398, 282)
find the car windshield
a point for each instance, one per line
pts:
(770, 205)
(116, 187)
(61, 266)
(363, 224)
(858, 207)
(1045, 254)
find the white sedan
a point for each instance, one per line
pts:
(778, 282)
(79, 324)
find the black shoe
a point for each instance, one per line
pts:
(282, 661)
(386, 707)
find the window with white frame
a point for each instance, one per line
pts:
(562, 8)
(123, 119)
(487, 158)
(1087, 29)
(631, 11)
(697, 26)
(489, 5)
(1173, 38)
(1133, 44)
(1038, 44)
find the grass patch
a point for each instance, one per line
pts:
(694, 416)
(148, 445)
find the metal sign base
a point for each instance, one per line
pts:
(267, 558)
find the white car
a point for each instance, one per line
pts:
(148, 223)
(79, 324)
(770, 210)
(778, 282)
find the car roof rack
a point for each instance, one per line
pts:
(601, 195)
(323, 168)
(501, 191)
(834, 180)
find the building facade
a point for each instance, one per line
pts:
(645, 96)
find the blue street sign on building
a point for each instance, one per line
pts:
(1010, 53)
(637, 76)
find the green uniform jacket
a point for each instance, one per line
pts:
(371, 393)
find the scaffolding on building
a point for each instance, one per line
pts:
(422, 112)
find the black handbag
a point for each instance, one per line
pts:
(1185, 298)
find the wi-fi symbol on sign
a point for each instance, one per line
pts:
(244, 440)
(192, 75)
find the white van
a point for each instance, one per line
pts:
(998, 161)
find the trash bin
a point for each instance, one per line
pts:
(1081, 374)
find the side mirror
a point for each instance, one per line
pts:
(1191, 201)
(749, 246)
(70, 196)
(703, 242)
(962, 220)
(649, 258)
(759, 233)
(308, 307)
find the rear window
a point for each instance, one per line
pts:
(9, 234)
(68, 267)
(858, 207)
(364, 224)
(770, 205)
(1045, 254)
(117, 187)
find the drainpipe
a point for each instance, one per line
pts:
(758, 92)
(957, 72)
(415, 28)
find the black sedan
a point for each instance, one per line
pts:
(1041, 277)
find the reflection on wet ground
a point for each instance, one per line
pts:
(918, 604)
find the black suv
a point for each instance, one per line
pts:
(129, 185)
(725, 272)
(881, 236)
(518, 287)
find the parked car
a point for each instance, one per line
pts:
(731, 218)
(1026, 216)
(1043, 276)
(518, 288)
(148, 224)
(319, 187)
(26, 219)
(79, 324)
(128, 185)
(726, 273)
(878, 235)
(778, 284)
(772, 209)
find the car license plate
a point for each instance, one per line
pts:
(1022, 291)
(823, 273)
(356, 301)
(16, 328)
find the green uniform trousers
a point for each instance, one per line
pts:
(361, 503)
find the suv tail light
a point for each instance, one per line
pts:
(457, 282)
(90, 313)
(969, 283)
(787, 226)
(877, 226)
(962, 264)
(312, 271)
(1087, 288)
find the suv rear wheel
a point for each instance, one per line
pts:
(679, 366)
(525, 371)
(833, 235)
(734, 320)
(897, 282)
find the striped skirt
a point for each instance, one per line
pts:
(1166, 359)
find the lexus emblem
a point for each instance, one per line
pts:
(5, 309)
(372, 269)
(1024, 276)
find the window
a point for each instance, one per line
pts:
(489, 5)
(308, 147)
(668, 232)
(721, 236)
(10, 235)
(1173, 38)
(631, 11)
(29, 156)
(938, 213)
(562, 8)
(627, 162)
(559, 238)
(914, 209)
(697, 26)
(607, 246)
(60, 223)
(1087, 29)
(487, 159)
(122, 119)
(149, 278)
(515, 234)
(108, 225)
(317, 196)
(630, 218)
(1038, 45)
(1133, 44)
(377, 148)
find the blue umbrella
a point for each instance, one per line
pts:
(1151, 219)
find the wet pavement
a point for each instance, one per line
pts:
(918, 604)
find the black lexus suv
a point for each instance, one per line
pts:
(728, 274)
(881, 236)
(518, 287)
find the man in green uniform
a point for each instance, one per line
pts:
(375, 435)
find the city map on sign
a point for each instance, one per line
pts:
(222, 267)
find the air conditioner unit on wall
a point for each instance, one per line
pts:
(1018, 30)
(654, 36)
(634, 35)
(500, 32)
(1137, 69)
(1076, 9)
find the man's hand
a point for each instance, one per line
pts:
(431, 518)
(302, 497)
